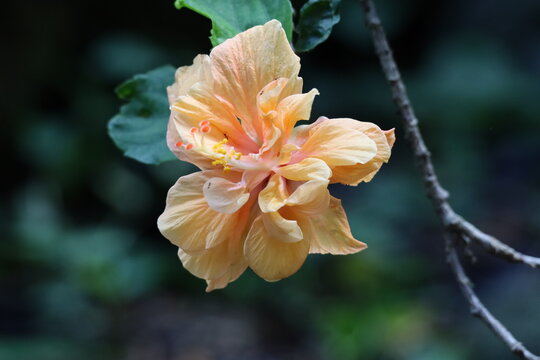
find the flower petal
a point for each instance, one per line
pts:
(186, 76)
(207, 264)
(225, 196)
(307, 169)
(285, 153)
(271, 258)
(188, 221)
(308, 183)
(223, 263)
(274, 195)
(337, 144)
(295, 108)
(233, 273)
(354, 174)
(243, 65)
(277, 90)
(281, 228)
(219, 265)
(329, 231)
(311, 195)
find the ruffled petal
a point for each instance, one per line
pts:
(337, 144)
(224, 262)
(233, 273)
(274, 195)
(271, 258)
(286, 152)
(207, 264)
(225, 196)
(329, 231)
(188, 221)
(282, 229)
(221, 264)
(243, 65)
(354, 174)
(300, 134)
(186, 76)
(307, 169)
(311, 195)
(295, 108)
(277, 90)
(308, 182)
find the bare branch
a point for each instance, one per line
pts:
(454, 225)
(495, 246)
(478, 309)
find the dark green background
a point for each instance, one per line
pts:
(85, 274)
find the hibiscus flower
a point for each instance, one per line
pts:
(261, 198)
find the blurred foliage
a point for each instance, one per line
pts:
(85, 274)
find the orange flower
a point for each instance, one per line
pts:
(261, 198)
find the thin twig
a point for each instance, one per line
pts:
(495, 246)
(478, 309)
(454, 225)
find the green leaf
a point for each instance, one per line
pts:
(230, 17)
(140, 128)
(317, 18)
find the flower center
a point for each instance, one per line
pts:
(220, 153)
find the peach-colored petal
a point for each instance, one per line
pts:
(275, 91)
(253, 178)
(271, 258)
(307, 169)
(224, 195)
(282, 229)
(390, 136)
(223, 263)
(233, 273)
(295, 108)
(219, 265)
(312, 195)
(308, 183)
(329, 231)
(300, 134)
(187, 76)
(207, 264)
(337, 144)
(271, 133)
(354, 174)
(243, 65)
(188, 221)
(274, 195)
(286, 152)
